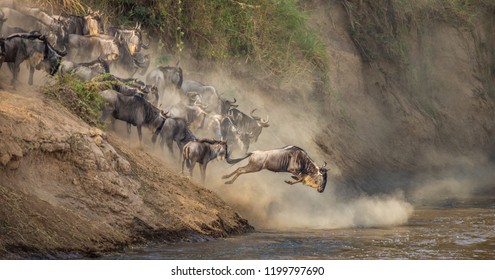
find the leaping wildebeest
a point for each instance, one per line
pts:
(202, 151)
(33, 47)
(290, 159)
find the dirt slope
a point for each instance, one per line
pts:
(67, 187)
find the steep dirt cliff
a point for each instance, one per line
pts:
(66, 187)
(426, 115)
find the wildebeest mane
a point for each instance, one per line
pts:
(210, 141)
(304, 159)
(134, 102)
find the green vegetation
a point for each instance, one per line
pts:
(82, 98)
(270, 33)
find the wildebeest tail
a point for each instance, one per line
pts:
(186, 156)
(234, 161)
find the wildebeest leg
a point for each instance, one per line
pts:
(297, 180)
(202, 122)
(170, 142)
(249, 168)
(202, 167)
(183, 161)
(129, 130)
(31, 74)
(140, 135)
(14, 68)
(193, 163)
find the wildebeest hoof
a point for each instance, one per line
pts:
(228, 182)
(225, 176)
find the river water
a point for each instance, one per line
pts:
(462, 230)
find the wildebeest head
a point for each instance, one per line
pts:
(261, 122)
(93, 23)
(173, 75)
(51, 58)
(143, 62)
(220, 149)
(318, 179)
(226, 105)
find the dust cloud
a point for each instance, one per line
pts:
(263, 197)
(461, 177)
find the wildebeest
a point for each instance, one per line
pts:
(202, 151)
(175, 129)
(133, 38)
(164, 76)
(88, 48)
(18, 22)
(89, 70)
(6, 30)
(21, 20)
(134, 110)
(52, 26)
(128, 62)
(32, 47)
(209, 96)
(290, 159)
(233, 136)
(130, 86)
(250, 124)
(89, 24)
(189, 108)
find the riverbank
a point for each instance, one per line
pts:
(71, 190)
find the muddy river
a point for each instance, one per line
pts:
(461, 230)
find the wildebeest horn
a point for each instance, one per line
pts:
(60, 53)
(235, 100)
(254, 117)
(177, 64)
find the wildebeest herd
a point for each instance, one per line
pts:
(173, 108)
